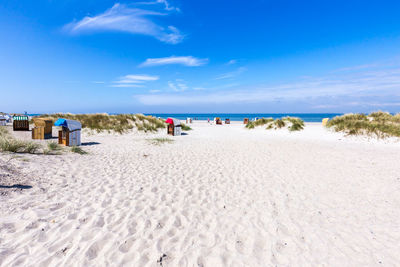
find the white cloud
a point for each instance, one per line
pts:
(372, 89)
(356, 68)
(123, 85)
(232, 62)
(232, 74)
(184, 60)
(167, 5)
(139, 78)
(134, 80)
(178, 86)
(124, 19)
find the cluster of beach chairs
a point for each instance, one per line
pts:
(69, 134)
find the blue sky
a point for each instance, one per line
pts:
(166, 56)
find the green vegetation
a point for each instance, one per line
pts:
(117, 123)
(159, 141)
(77, 149)
(379, 124)
(279, 123)
(259, 122)
(250, 125)
(148, 123)
(294, 124)
(8, 144)
(52, 148)
(31, 147)
(185, 127)
(3, 132)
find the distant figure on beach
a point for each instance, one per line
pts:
(208, 120)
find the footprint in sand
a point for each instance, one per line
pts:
(124, 247)
(94, 250)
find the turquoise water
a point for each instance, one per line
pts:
(307, 117)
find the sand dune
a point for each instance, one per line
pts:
(219, 196)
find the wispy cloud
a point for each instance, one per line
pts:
(178, 86)
(374, 89)
(356, 68)
(167, 5)
(125, 19)
(189, 61)
(126, 85)
(232, 74)
(232, 62)
(134, 80)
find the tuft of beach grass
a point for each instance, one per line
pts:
(250, 125)
(296, 124)
(279, 123)
(292, 123)
(8, 144)
(4, 132)
(379, 124)
(52, 148)
(159, 141)
(185, 127)
(78, 150)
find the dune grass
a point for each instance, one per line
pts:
(3, 131)
(279, 123)
(259, 122)
(159, 141)
(78, 150)
(185, 127)
(250, 125)
(118, 123)
(379, 124)
(292, 123)
(53, 148)
(295, 124)
(8, 144)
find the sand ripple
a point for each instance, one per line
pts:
(216, 197)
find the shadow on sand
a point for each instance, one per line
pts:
(18, 186)
(90, 143)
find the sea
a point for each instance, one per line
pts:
(307, 117)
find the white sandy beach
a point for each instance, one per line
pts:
(218, 196)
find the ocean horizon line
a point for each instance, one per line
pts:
(307, 117)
